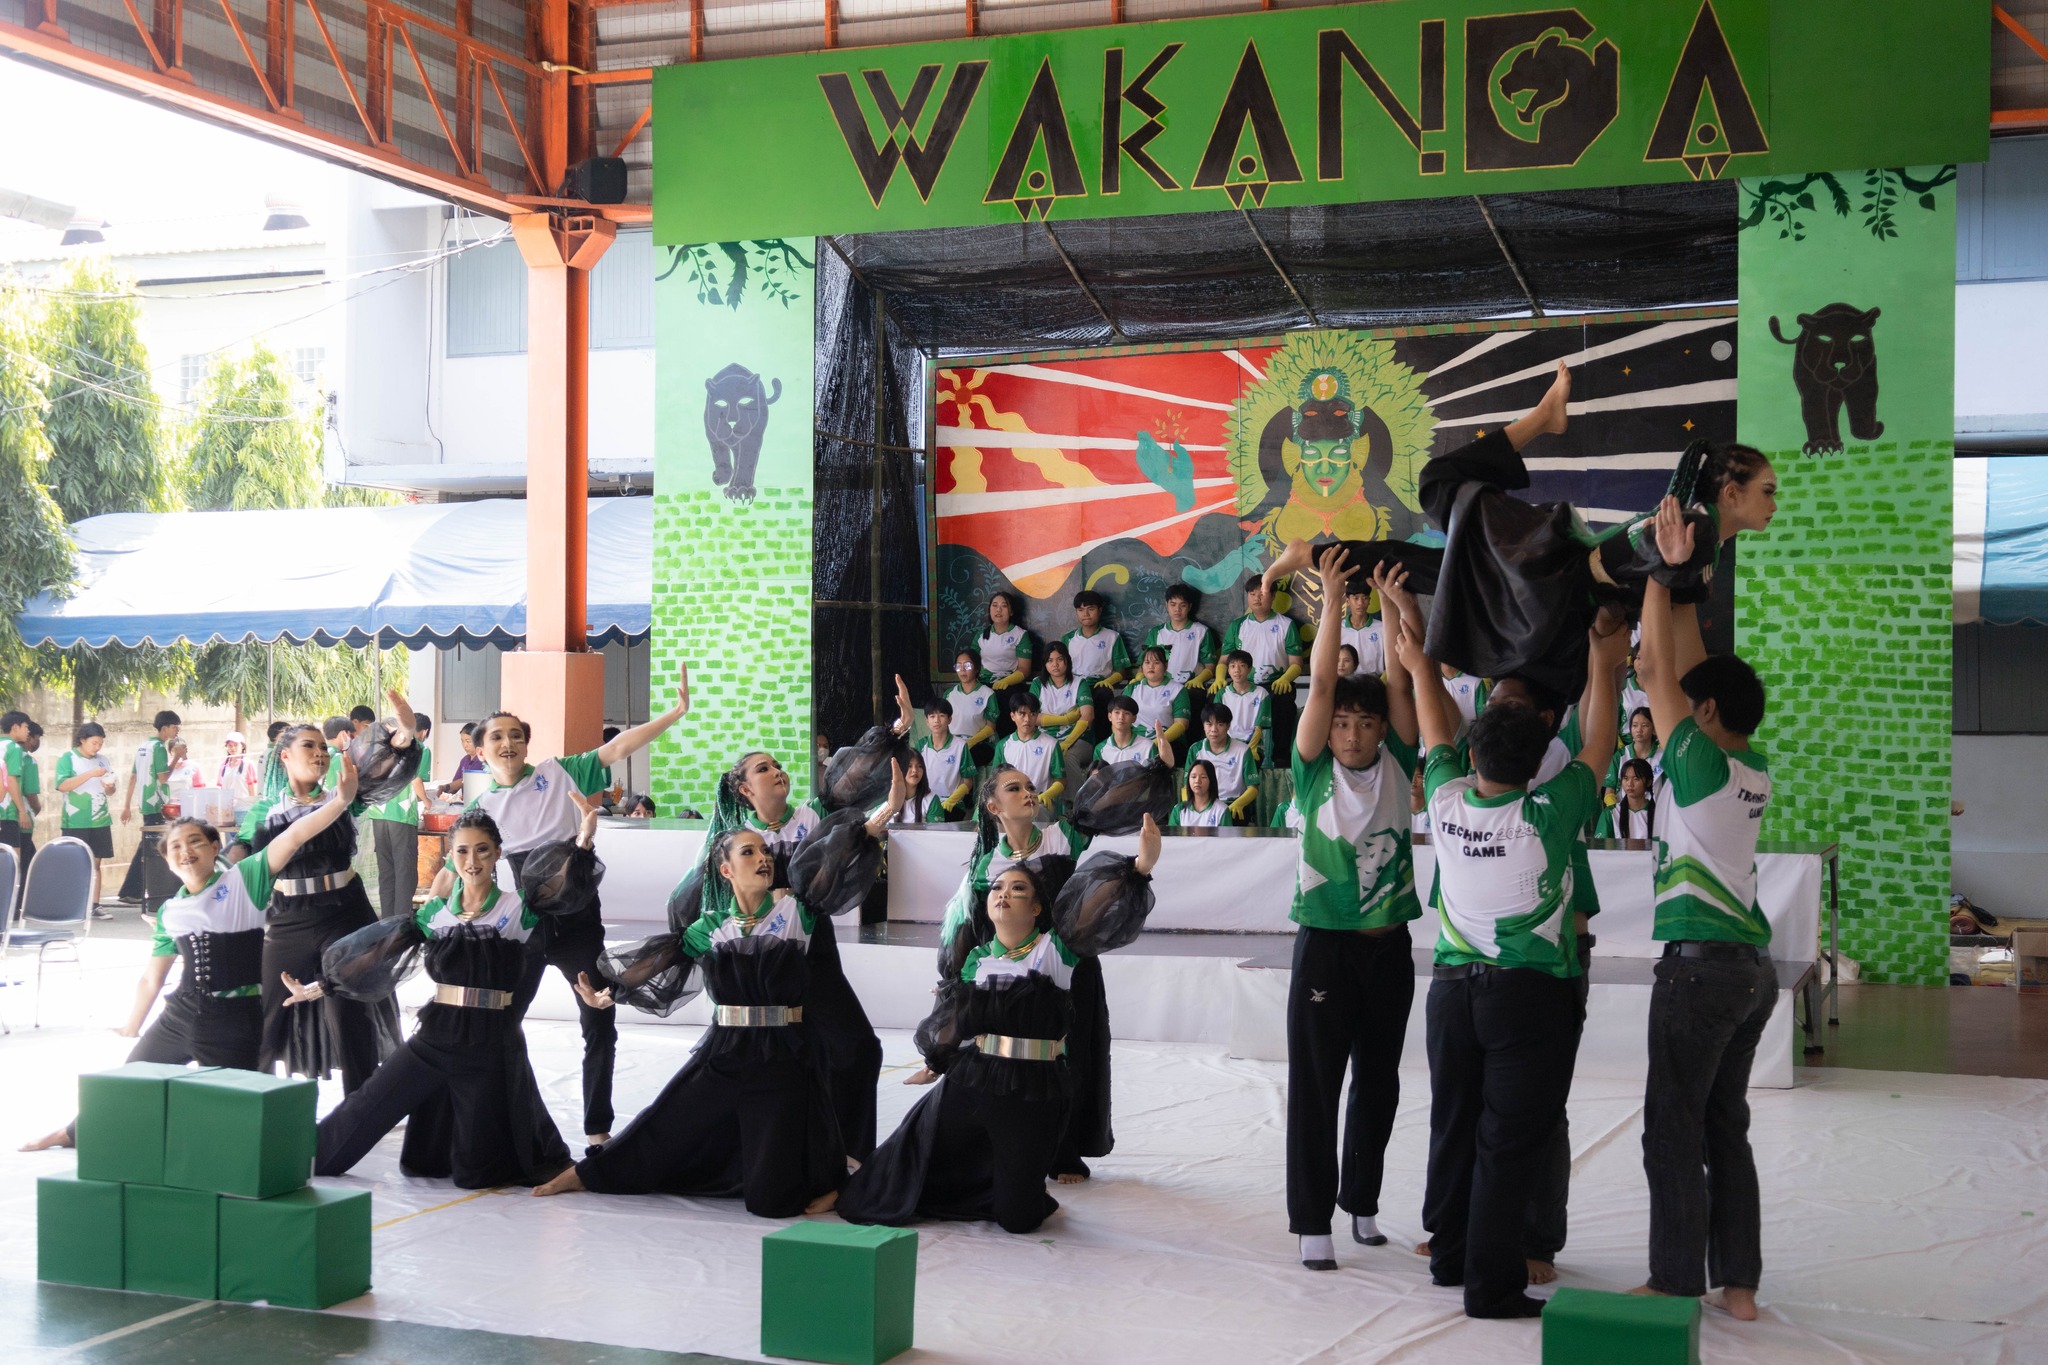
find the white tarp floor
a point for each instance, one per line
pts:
(1905, 1218)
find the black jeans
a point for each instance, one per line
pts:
(1706, 1015)
(1347, 1004)
(1543, 1230)
(1501, 1049)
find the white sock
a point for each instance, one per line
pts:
(1363, 1226)
(1317, 1249)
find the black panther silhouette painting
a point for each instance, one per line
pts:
(1834, 365)
(735, 415)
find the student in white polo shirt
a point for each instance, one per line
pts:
(1034, 752)
(1503, 1017)
(1191, 650)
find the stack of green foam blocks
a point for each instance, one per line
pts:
(193, 1183)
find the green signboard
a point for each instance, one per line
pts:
(1398, 100)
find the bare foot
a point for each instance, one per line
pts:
(60, 1138)
(597, 1139)
(1646, 1292)
(924, 1075)
(1739, 1304)
(1297, 555)
(823, 1203)
(1422, 1248)
(1070, 1177)
(568, 1182)
(1541, 1272)
(1550, 413)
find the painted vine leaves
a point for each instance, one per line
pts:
(723, 271)
(1781, 203)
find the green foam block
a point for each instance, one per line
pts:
(839, 1293)
(78, 1231)
(1589, 1327)
(239, 1132)
(171, 1241)
(306, 1249)
(121, 1122)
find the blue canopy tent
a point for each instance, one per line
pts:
(2001, 541)
(423, 574)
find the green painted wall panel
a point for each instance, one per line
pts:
(1843, 605)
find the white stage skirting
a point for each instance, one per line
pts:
(1894, 1205)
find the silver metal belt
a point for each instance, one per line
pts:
(758, 1016)
(307, 886)
(1020, 1049)
(473, 998)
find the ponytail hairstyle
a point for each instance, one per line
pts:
(728, 816)
(476, 817)
(1707, 467)
(986, 830)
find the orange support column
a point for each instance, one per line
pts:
(556, 684)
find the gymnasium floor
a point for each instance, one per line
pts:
(1906, 1218)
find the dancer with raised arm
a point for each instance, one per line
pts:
(979, 1145)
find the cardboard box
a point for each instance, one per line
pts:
(78, 1231)
(240, 1132)
(306, 1249)
(2030, 960)
(838, 1293)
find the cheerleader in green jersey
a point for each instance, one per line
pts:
(1353, 978)
(535, 804)
(978, 1146)
(462, 1084)
(215, 923)
(1200, 808)
(1007, 833)
(748, 1115)
(86, 782)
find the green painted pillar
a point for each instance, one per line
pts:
(1843, 605)
(732, 516)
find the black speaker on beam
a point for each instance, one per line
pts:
(599, 180)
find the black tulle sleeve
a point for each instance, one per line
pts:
(654, 975)
(833, 870)
(1103, 905)
(1115, 798)
(857, 777)
(370, 963)
(686, 902)
(560, 878)
(382, 771)
(939, 1037)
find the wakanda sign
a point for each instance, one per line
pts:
(1398, 100)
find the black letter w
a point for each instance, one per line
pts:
(877, 163)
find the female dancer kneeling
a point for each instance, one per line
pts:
(748, 1114)
(979, 1145)
(215, 922)
(463, 1078)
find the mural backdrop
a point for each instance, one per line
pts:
(1128, 473)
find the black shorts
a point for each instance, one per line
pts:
(98, 838)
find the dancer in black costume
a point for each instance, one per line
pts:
(215, 1017)
(462, 1083)
(318, 899)
(748, 1115)
(977, 1146)
(1516, 584)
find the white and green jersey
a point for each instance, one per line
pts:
(404, 806)
(1250, 712)
(1139, 750)
(1188, 651)
(1230, 766)
(1000, 653)
(972, 710)
(1058, 838)
(15, 759)
(233, 901)
(1470, 695)
(1038, 758)
(1504, 866)
(152, 777)
(1159, 705)
(504, 914)
(1269, 642)
(787, 918)
(1059, 699)
(1097, 655)
(798, 824)
(1370, 641)
(85, 805)
(1356, 866)
(1706, 860)
(537, 809)
(1044, 954)
(1185, 816)
(945, 769)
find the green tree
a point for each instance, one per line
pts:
(35, 548)
(110, 451)
(252, 447)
